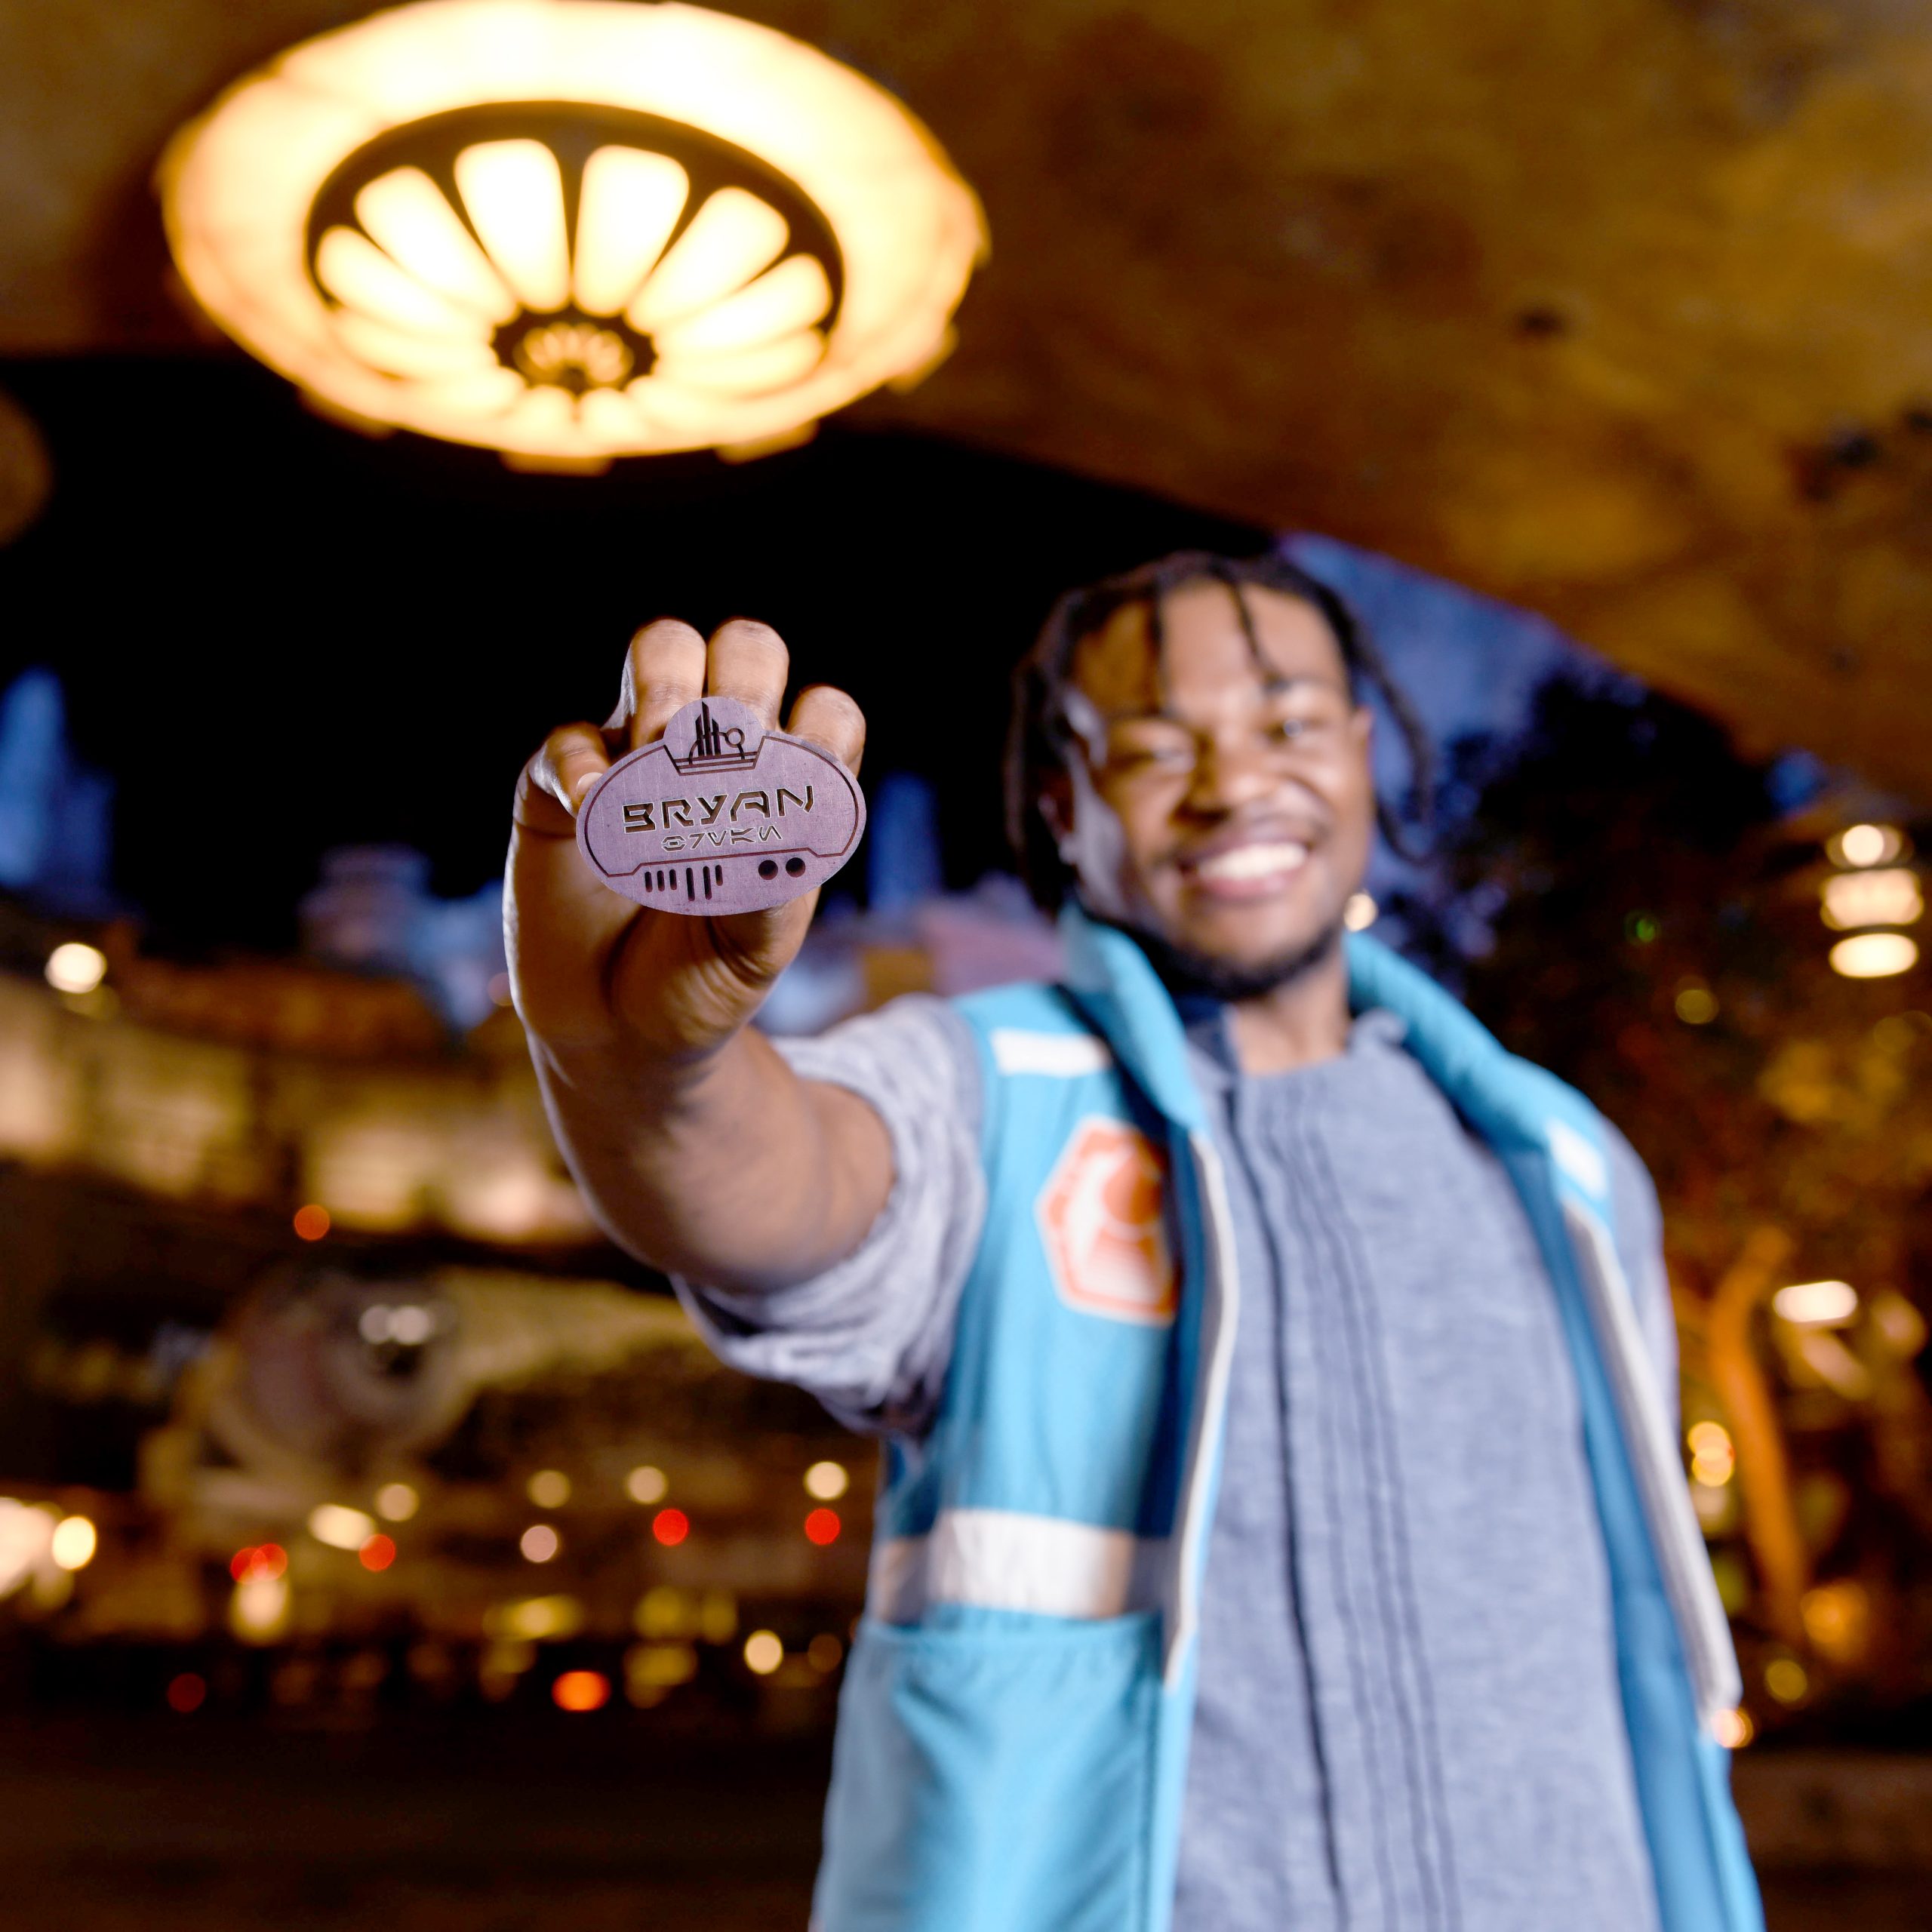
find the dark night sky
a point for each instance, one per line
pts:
(278, 636)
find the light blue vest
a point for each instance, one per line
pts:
(1013, 1732)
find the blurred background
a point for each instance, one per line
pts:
(375, 1537)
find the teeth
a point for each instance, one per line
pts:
(1253, 861)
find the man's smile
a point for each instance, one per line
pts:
(1251, 869)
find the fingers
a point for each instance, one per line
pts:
(664, 671)
(555, 781)
(824, 715)
(750, 662)
(668, 664)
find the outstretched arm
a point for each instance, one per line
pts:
(699, 1149)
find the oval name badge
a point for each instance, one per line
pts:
(720, 815)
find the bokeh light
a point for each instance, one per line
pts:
(1816, 1304)
(74, 1542)
(187, 1691)
(821, 1526)
(1734, 1729)
(828, 1481)
(581, 1691)
(1713, 1457)
(340, 1526)
(670, 1527)
(1867, 845)
(311, 1221)
(540, 1542)
(764, 1651)
(75, 968)
(548, 1489)
(1873, 955)
(397, 1502)
(646, 1484)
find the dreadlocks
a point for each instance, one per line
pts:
(1042, 737)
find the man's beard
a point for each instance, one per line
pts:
(1187, 973)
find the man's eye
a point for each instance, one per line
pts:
(1163, 756)
(1314, 727)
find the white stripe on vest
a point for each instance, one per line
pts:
(1004, 1559)
(1059, 1055)
(1686, 1569)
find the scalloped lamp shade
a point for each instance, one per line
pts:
(572, 229)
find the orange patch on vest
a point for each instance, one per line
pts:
(1102, 1218)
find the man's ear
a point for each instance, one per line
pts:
(1055, 806)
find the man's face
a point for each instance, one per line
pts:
(1240, 792)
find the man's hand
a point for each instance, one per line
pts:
(592, 973)
(698, 1147)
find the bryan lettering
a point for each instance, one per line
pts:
(673, 817)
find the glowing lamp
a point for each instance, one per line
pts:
(572, 229)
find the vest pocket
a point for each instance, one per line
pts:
(994, 1774)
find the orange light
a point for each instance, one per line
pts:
(821, 1526)
(670, 1527)
(312, 1222)
(581, 1691)
(378, 1553)
(267, 1560)
(186, 1692)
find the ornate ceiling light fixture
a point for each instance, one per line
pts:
(572, 229)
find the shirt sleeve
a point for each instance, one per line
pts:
(1640, 1247)
(871, 1336)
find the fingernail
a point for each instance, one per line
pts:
(580, 790)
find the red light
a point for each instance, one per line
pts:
(378, 1553)
(821, 1526)
(670, 1527)
(266, 1559)
(581, 1691)
(186, 1692)
(312, 1222)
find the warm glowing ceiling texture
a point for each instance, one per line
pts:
(1620, 309)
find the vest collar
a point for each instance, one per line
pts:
(1122, 995)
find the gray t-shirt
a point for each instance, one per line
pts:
(1408, 1717)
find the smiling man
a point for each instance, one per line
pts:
(1282, 1527)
